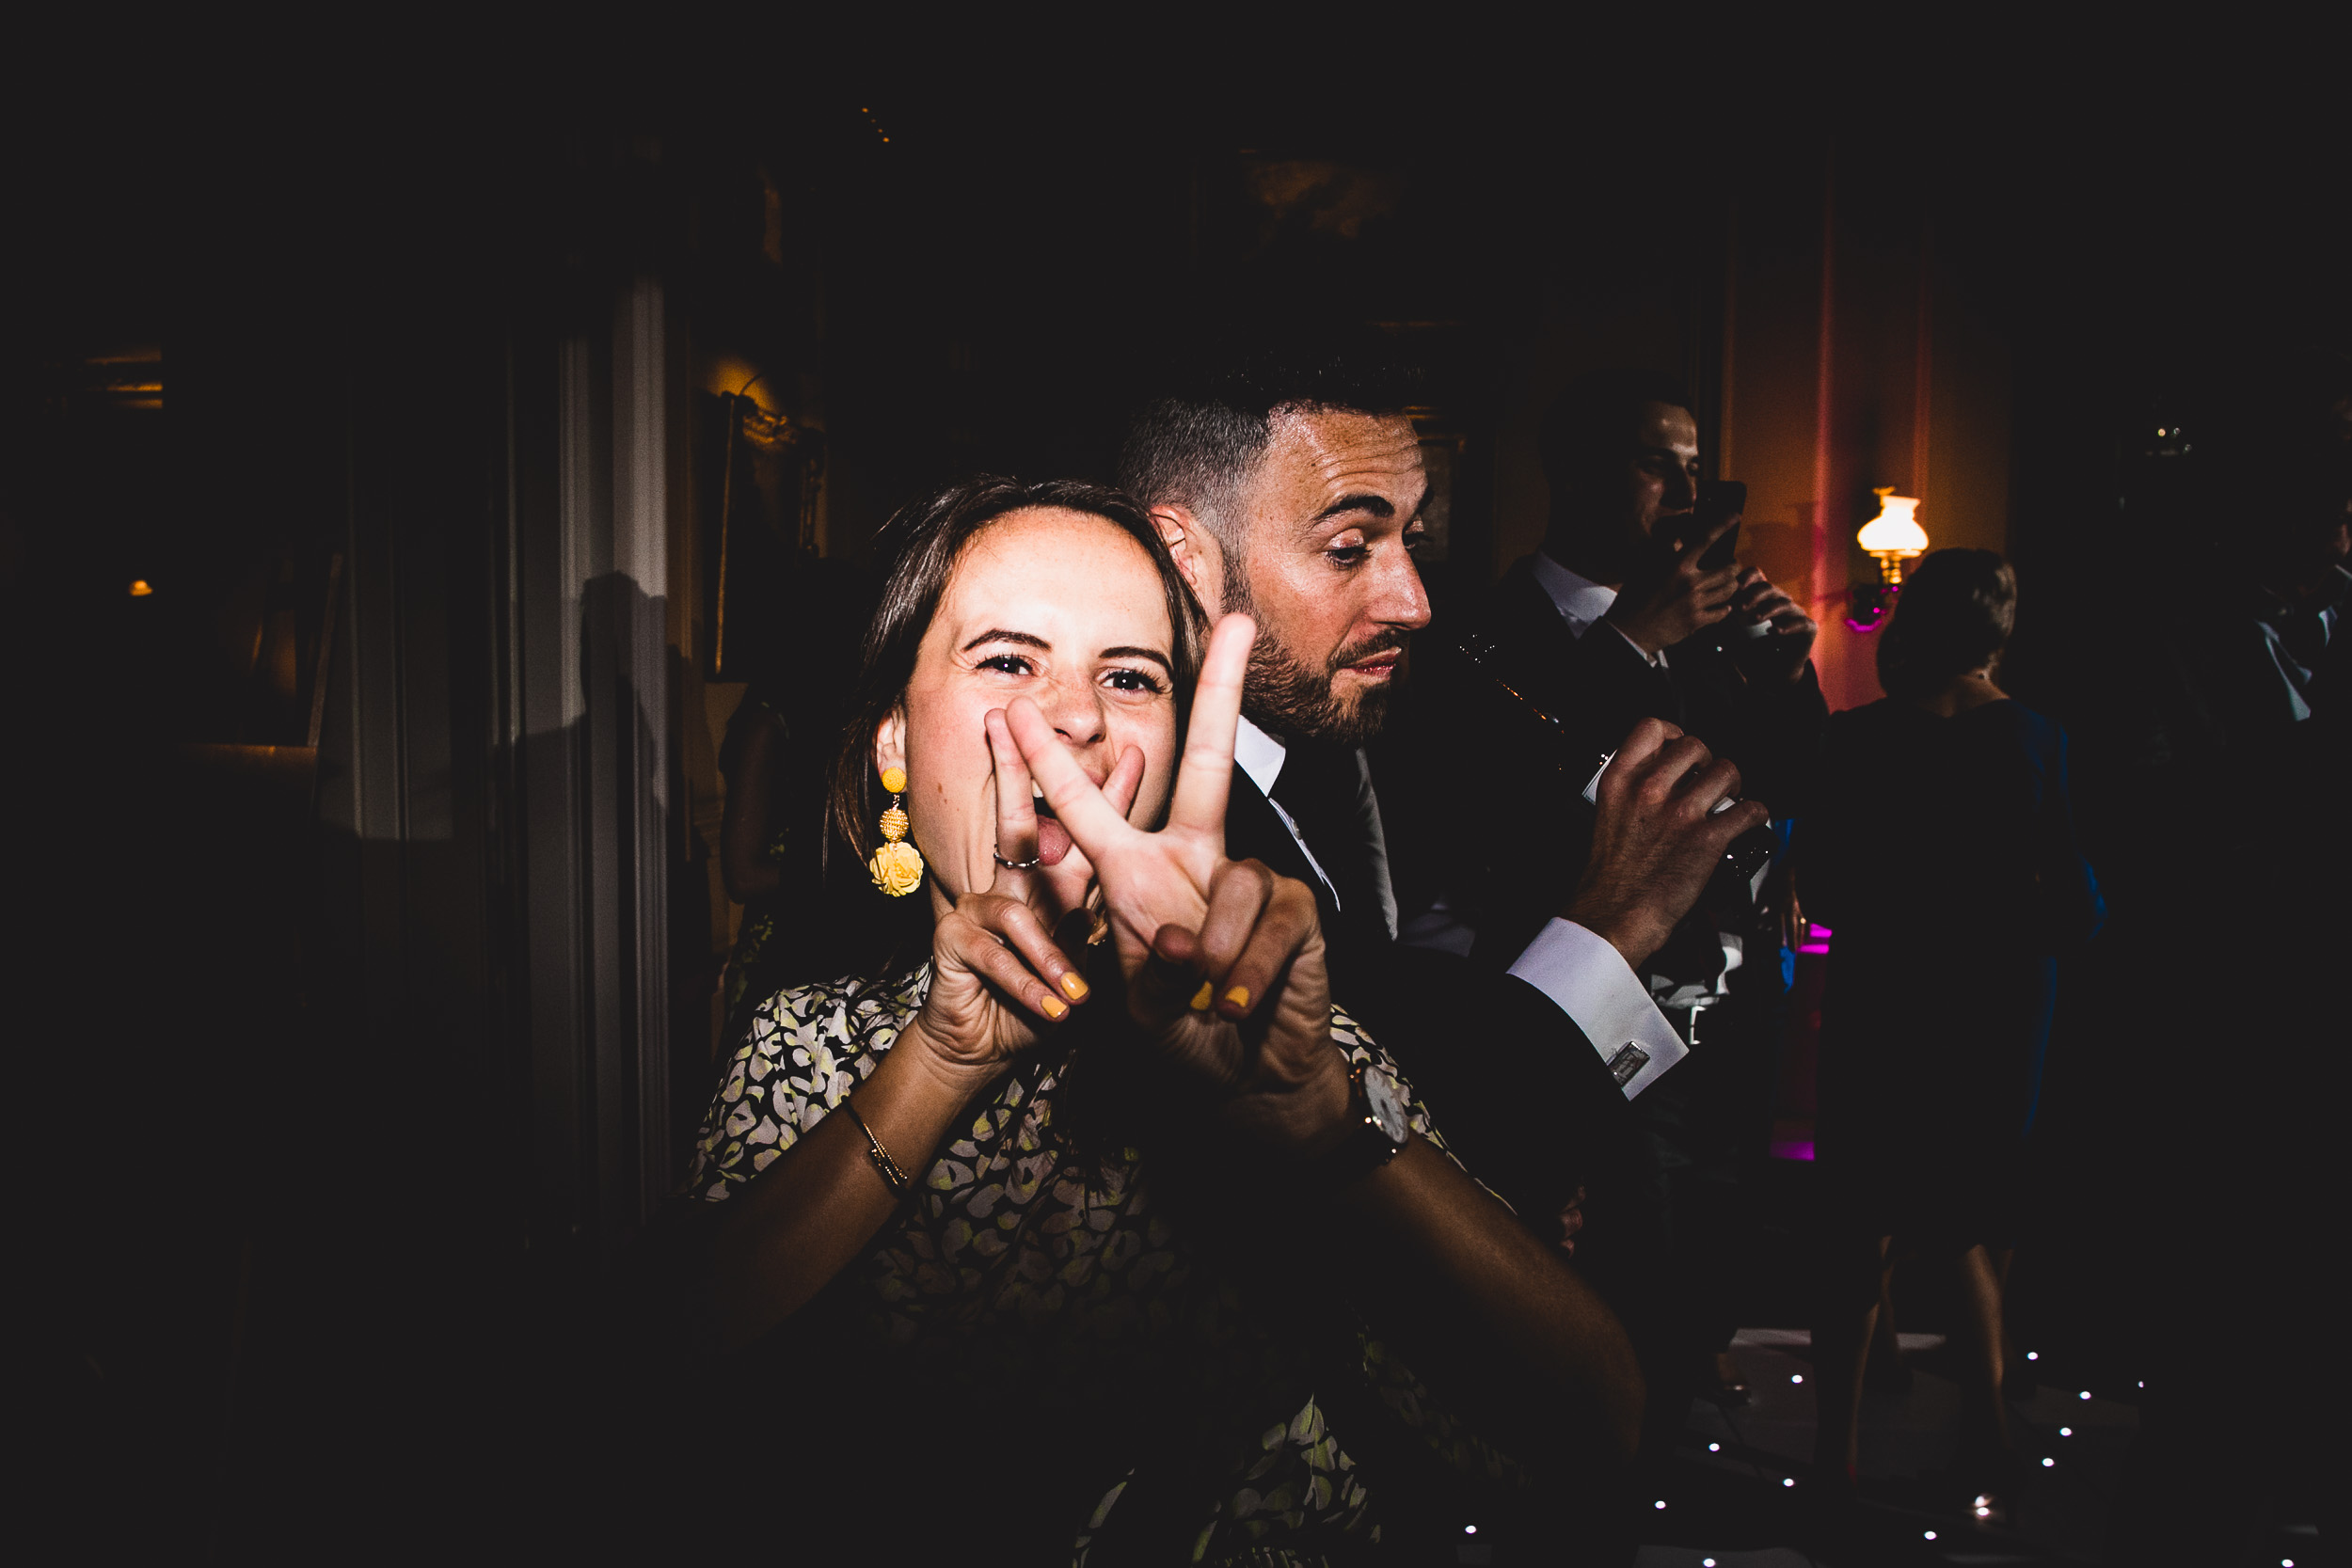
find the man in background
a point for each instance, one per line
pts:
(1617, 618)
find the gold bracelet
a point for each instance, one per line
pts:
(898, 1179)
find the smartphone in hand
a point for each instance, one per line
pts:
(1718, 499)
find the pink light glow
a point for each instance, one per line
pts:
(1791, 1149)
(1815, 939)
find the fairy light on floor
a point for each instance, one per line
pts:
(1982, 1505)
(1469, 1529)
(1660, 1503)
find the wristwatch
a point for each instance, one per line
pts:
(1377, 1126)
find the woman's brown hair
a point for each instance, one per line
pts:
(1955, 614)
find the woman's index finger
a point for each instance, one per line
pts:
(1205, 780)
(1093, 822)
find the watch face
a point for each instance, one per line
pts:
(1385, 1096)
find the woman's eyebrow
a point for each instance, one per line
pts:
(1030, 639)
(1025, 639)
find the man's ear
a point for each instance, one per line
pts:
(890, 741)
(1200, 559)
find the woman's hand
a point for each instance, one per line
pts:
(1223, 959)
(1242, 1007)
(998, 975)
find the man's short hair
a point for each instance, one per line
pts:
(1194, 446)
(1591, 422)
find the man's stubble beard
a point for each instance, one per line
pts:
(1287, 697)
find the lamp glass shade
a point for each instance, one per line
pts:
(1895, 530)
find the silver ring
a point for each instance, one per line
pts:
(1016, 866)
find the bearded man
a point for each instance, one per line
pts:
(1287, 482)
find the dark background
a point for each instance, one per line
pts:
(284, 1153)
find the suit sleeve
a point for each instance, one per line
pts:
(1528, 1105)
(1590, 981)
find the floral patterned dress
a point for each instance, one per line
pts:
(1010, 1248)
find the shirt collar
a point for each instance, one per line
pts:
(1260, 756)
(1579, 600)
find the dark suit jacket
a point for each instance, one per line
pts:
(1600, 687)
(1255, 831)
(1771, 728)
(1514, 1086)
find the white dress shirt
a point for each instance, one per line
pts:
(1582, 973)
(1582, 602)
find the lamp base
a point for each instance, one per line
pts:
(1891, 565)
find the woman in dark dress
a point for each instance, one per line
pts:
(1939, 848)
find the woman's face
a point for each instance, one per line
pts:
(1067, 609)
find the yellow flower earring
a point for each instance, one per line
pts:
(898, 865)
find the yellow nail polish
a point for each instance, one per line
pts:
(1076, 987)
(1201, 998)
(1056, 1008)
(1239, 997)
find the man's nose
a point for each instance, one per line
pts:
(1682, 491)
(1402, 600)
